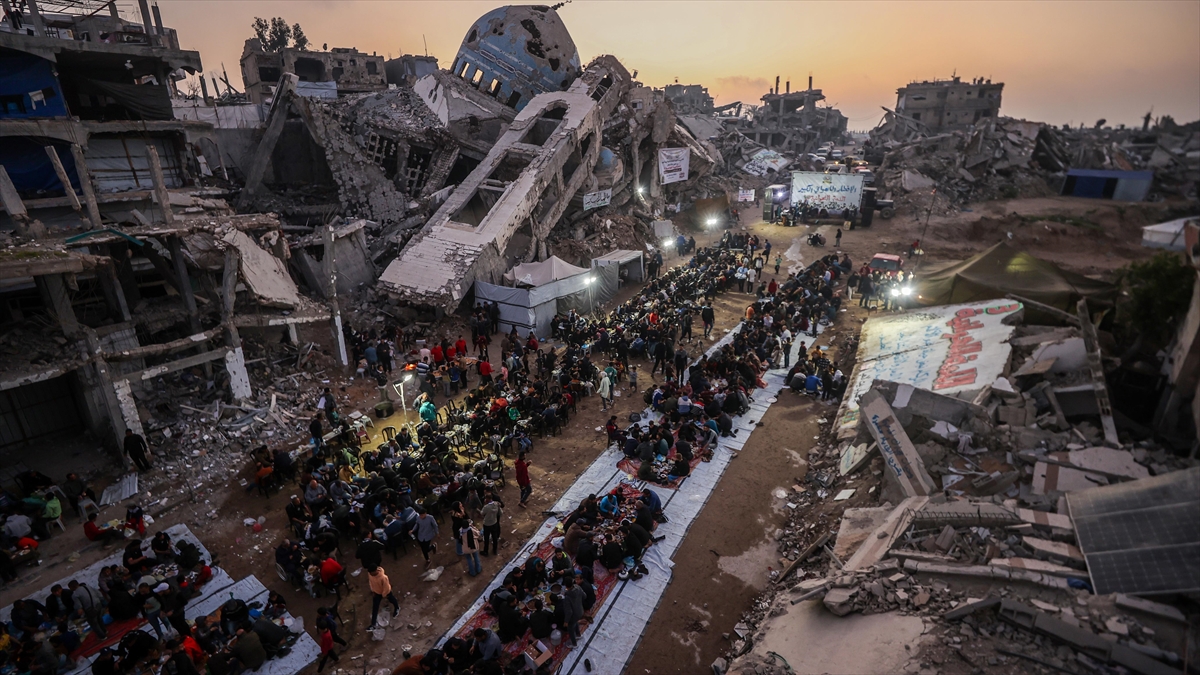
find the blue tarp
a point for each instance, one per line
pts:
(28, 88)
(30, 169)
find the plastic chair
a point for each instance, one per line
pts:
(57, 521)
(86, 507)
(389, 433)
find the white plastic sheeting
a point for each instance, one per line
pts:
(119, 164)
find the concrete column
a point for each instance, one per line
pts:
(114, 295)
(112, 10)
(55, 295)
(185, 282)
(144, 7)
(329, 270)
(235, 360)
(160, 184)
(104, 390)
(293, 334)
(85, 182)
(35, 17)
(63, 178)
(25, 226)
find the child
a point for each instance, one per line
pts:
(326, 649)
(778, 262)
(633, 378)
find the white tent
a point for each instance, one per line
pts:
(544, 289)
(542, 273)
(1168, 235)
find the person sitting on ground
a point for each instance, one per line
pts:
(94, 532)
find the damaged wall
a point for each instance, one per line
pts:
(524, 185)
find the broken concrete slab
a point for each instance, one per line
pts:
(1049, 478)
(1106, 461)
(1054, 521)
(1150, 607)
(1035, 565)
(840, 601)
(897, 449)
(964, 513)
(985, 572)
(856, 526)
(876, 546)
(265, 275)
(1055, 551)
(969, 608)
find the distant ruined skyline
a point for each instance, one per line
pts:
(1060, 61)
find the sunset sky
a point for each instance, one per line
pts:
(1060, 61)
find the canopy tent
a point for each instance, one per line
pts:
(546, 289)
(631, 261)
(542, 273)
(1168, 235)
(1003, 270)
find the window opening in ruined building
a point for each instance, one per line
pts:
(380, 148)
(337, 74)
(269, 74)
(514, 100)
(602, 88)
(353, 62)
(509, 168)
(916, 116)
(372, 68)
(575, 160)
(462, 72)
(416, 169)
(310, 70)
(495, 87)
(477, 77)
(477, 207)
(540, 131)
(981, 93)
(463, 166)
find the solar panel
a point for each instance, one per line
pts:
(1142, 536)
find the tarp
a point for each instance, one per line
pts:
(541, 273)
(321, 90)
(29, 166)
(1001, 270)
(633, 260)
(1168, 235)
(144, 101)
(28, 88)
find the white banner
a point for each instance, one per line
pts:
(764, 162)
(594, 200)
(673, 165)
(947, 350)
(745, 195)
(833, 191)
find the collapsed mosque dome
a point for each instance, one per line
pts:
(517, 52)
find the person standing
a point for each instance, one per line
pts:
(137, 450)
(606, 391)
(468, 541)
(326, 649)
(89, 602)
(572, 606)
(707, 315)
(326, 622)
(837, 238)
(381, 588)
(494, 316)
(426, 530)
(522, 470)
(492, 510)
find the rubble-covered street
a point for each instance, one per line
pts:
(515, 357)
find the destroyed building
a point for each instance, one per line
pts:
(791, 121)
(516, 52)
(404, 71)
(338, 72)
(689, 99)
(86, 95)
(949, 104)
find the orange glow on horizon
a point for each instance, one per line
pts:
(1060, 61)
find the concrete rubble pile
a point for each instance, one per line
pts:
(1006, 158)
(967, 499)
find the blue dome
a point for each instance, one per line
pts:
(517, 52)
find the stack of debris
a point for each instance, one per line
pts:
(1006, 158)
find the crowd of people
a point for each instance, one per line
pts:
(154, 582)
(697, 399)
